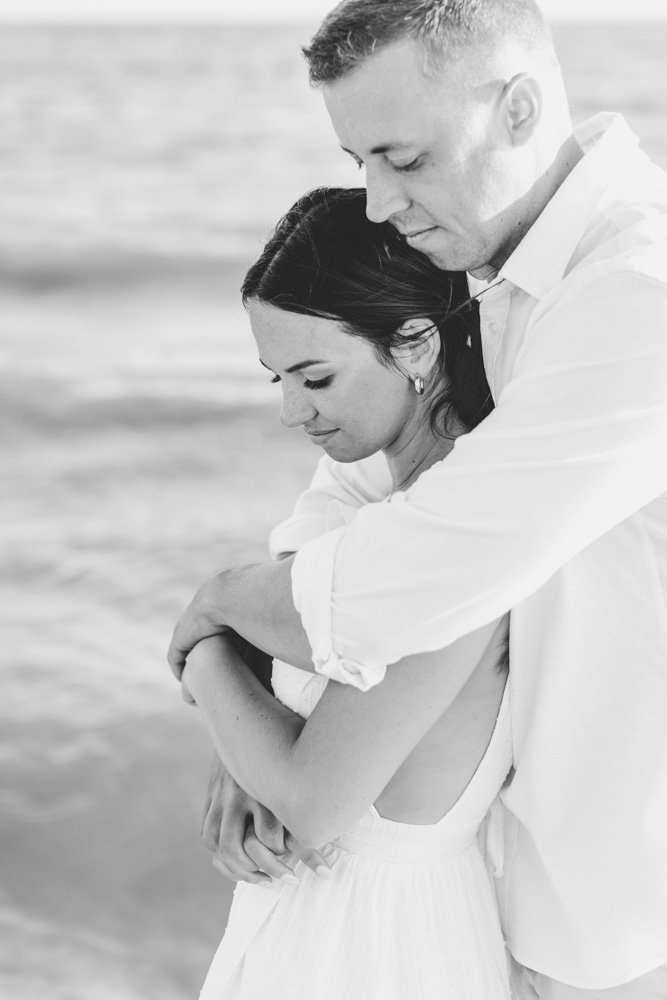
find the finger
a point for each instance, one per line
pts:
(267, 861)
(231, 834)
(213, 798)
(210, 831)
(236, 860)
(176, 655)
(319, 862)
(269, 830)
(254, 878)
(204, 815)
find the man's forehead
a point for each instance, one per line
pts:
(386, 111)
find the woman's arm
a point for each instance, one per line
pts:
(320, 776)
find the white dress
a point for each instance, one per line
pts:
(410, 913)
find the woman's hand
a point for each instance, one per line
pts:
(248, 843)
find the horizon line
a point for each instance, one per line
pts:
(152, 21)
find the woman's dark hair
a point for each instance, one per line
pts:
(325, 258)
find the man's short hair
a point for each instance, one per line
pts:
(355, 29)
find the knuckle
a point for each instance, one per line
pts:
(231, 830)
(235, 857)
(230, 791)
(211, 820)
(224, 871)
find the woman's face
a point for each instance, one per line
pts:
(333, 384)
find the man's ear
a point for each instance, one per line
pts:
(523, 100)
(421, 349)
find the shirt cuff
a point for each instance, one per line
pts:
(291, 535)
(312, 592)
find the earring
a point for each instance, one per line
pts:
(419, 385)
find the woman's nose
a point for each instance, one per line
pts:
(297, 409)
(384, 196)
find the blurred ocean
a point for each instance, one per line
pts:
(140, 169)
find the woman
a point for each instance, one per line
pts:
(369, 342)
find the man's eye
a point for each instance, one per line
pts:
(317, 383)
(407, 167)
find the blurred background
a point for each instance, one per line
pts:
(141, 166)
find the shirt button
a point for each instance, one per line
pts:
(494, 329)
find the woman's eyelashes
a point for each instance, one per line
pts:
(320, 383)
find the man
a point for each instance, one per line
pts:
(554, 507)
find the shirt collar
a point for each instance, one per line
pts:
(541, 259)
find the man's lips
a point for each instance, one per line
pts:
(320, 434)
(416, 234)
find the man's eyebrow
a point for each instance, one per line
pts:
(296, 368)
(385, 147)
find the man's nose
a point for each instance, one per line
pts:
(296, 409)
(384, 195)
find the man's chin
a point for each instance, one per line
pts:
(446, 259)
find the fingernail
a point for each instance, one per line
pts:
(323, 872)
(289, 879)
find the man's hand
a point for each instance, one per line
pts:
(200, 619)
(248, 843)
(255, 601)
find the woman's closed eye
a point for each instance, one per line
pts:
(320, 383)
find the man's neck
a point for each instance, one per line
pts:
(528, 209)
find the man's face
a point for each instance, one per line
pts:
(435, 168)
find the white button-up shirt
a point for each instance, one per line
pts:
(554, 507)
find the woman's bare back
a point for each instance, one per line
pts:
(438, 770)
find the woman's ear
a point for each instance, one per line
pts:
(421, 349)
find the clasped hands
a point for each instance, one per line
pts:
(248, 843)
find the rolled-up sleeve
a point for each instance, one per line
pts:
(577, 443)
(312, 583)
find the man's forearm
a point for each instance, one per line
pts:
(256, 601)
